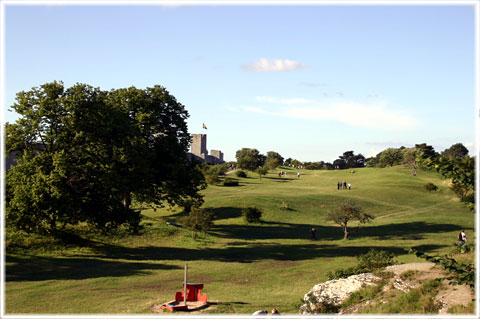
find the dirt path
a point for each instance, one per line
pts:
(450, 296)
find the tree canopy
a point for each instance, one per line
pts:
(346, 212)
(457, 150)
(84, 154)
(249, 159)
(349, 160)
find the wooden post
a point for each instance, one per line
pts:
(185, 286)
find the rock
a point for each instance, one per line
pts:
(402, 285)
(332, 293)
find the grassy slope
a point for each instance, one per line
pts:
(244, 267)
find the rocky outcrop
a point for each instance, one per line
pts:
(334, 292)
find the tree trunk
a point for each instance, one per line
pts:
(345, 233)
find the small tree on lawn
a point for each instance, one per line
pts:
(198, 220)
(346, 212)
(262, 171)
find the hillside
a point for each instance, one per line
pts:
(243, 267)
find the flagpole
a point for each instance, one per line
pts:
(185, 286)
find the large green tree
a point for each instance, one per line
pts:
(350, 160)
(83, 154)
(273, 160)
(457, 150)
(249, 159)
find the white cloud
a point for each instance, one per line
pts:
(254, 109)
(269, 99)
(277, 65)
(374, 115)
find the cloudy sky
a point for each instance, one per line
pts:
(309, 82)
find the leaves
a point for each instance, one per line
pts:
(461, 273)
(84, 154)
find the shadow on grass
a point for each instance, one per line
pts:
(21, 268)
(226, 212)
(270, 230)
(245, 254)
(94, 266)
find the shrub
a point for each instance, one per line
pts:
(463, 248)
(251, 214)
(344, 273)
(430, 187)
(375, 259)
(198, 219)
(241, 174)
(369, 262)
(459, 190)
(230, 182)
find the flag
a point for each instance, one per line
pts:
(204, 126)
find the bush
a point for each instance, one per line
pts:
(344, 273)
(252, 214)
(241, 174)
(375, 259)
(230, 182)
(369, 262)
(430, 187)
(198, 220)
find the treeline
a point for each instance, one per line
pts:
(453, 163)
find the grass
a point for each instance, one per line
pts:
(244, 267)
(419, 300)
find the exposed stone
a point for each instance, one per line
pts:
(334, 292)
(403, 285)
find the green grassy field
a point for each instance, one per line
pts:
(243, 267)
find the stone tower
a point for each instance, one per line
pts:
(199, 145)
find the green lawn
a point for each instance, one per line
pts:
(243, 267)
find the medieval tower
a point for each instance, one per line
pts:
(198, 150)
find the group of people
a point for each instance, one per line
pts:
(282, 173)
(344, 185)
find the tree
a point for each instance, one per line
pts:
(249, 159)
(426, 150)
(455, 151)
(83, 154)
(346, 212)
(460, 170)
(349, 160)
(274, 159)
(198, 220)
(390, 157)
(262, 171)
(212, 172)
(409, 157)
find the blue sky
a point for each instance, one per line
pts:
(309, 82)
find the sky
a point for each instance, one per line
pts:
(307, 81)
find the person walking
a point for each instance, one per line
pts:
(462, 238)
(314, 233)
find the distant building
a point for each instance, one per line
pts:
(198, 150)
